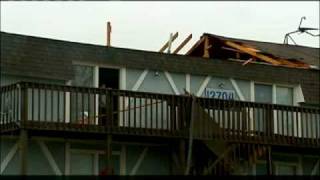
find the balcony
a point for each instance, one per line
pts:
(59, 108)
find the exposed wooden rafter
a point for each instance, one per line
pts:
(206, 48)
(165, 46)
(182, 44)
(252, 53)
(196, 45)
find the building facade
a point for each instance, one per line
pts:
(79, 109)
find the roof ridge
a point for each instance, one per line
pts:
(288, 45)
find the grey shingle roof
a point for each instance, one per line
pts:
(34, 57)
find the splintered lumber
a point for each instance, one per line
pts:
(182, 44)
(164, 47)
(248, 61)
(206, 48)
(252, 53)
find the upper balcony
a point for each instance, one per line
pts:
(57, 108)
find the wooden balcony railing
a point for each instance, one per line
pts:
(82, 109)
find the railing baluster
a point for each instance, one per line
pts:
(58, 107)
(157, 112)
(271, 121)
(161, 118)
(152, 113)
(51, 90)
(129, 110)
(2, 115)
(134, 112)
(239, 120)
(208, 121)
(124, 110)
(140, 113)
(168, 114)
(317, 121)
(32, 104)
(235, 113)
(303, 124)
(146, 113)
(215, 115)
(45, 107)
(71, 96)
(297, 122)
(40, 105)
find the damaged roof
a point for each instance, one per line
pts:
(308, 55)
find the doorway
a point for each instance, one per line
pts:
(108, 78)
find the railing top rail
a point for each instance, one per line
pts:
(10, 86)
(26, 84)
(255, 104)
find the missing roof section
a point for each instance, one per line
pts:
(249, 51)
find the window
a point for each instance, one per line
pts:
(284, 95)
(263, 93)
(83, 76)
(82, 104)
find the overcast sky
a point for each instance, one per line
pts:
(147, 25)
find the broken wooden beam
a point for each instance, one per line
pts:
(164, 47)
(206, 53)
(108, 33)
(252, 53)
(182, 44)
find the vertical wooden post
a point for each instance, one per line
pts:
(24, 105)
(109, 154)
(67, 159)
(23, 139)
(23, 151)
(182, 151)
(269, 161)
(170, 43)
(206, 48)
(109, 110)
(108, 33)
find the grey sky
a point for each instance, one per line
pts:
(147, 25)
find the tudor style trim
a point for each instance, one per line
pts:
(203, 85)
(171, 82)
(9, 157)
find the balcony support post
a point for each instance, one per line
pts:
(269, 161)
(182, 153)
(23, 151)
(109, 167)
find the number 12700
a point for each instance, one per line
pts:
(219, 94)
